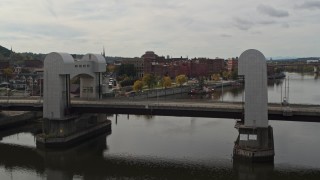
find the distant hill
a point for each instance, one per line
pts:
(4, 51)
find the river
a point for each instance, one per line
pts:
(302, 89)
(158, 147)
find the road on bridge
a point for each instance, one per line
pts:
(172, 107)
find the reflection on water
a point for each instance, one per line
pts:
(247, 171)
(164, 148)
(24, 139)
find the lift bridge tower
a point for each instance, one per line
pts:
(255, 140)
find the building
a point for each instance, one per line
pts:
(150, 59)
(232, 64)
(137, 63)
(161, 66)
(205, 66)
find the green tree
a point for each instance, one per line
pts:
(201, 82)
(2, 57)
(234, 75)
(226, 75)
(138, 85)
(24, 70)
(149, 80)
(4, 51)
(181, 79)
(127, 82)
(7, 72)
(127, 69)
(167, 81)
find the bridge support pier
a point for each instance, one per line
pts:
(254, 144)
(68, 131)
(255, 140)
(61, 127)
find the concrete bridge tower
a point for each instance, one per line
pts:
(59, 68)
(255, 140)
(59, 122)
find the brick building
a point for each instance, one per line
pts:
(161, 66)
(232, 64)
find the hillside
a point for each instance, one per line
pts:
(4, 51)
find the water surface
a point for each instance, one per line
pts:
(159, 147)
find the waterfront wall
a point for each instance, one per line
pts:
(161, 92)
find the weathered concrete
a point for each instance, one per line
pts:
(255, 145)
(63, 133)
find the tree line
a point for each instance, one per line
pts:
(152, 81)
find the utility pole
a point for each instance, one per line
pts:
(222, 90)
(25, 89)
(288, 90)
(40, 91)
(281, 94)
(285, 88)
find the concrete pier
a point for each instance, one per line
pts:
(61, 127)
(254, 144)
(67, 132)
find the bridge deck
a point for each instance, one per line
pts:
(187, 108)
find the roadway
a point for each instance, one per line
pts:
(169, 107)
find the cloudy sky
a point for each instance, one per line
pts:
(193, 28)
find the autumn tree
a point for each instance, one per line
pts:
(167, 81)
(149, 80)
(215, 77)
(110, 68)
(181, 79)
(137, 86)
(7, 72)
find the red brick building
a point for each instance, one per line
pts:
(160, 66)
(232, 64)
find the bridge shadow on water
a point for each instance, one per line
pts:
(91, 160)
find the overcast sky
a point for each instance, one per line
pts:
(193, 28)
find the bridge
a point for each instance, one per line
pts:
(301, 64)
(186, 108)
(67, 121)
